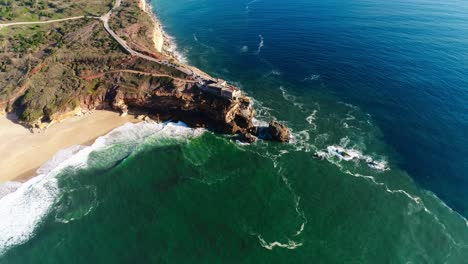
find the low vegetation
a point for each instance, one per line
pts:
(48, 69)
(37, 10)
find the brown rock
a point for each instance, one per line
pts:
(247, 137)
(279, 132)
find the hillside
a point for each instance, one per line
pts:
(119, 60)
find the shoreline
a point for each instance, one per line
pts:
(24, 152)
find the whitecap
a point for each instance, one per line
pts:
(349, 154)
(260, 45)
(291, 244)
(313, 77)
(244, 49)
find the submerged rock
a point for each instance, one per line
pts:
(279, 132)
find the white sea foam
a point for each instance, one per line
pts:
(347, 154)
(275, 72)
(9, 187)
(290, 245)
(417, 200)
(68, 211)
(300, 140)
(244, 49)
(291, 98)
(263, 112)
(260, 45)
(58, 158)
(311, 119)
(174, 50)
(259, 123)
(22, 210)
(312, 77)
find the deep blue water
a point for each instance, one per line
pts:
(402, 62)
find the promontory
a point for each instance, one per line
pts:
(63, 58)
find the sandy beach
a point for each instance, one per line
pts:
(23, 152)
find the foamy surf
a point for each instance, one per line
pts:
(24, 206)
(291, 244)
(351, 155)
(23, 209)
(9, 187)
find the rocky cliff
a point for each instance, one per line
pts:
(179, 100)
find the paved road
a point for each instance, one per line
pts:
(105, 19)
(40, 22)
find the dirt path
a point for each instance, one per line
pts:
(40, 22)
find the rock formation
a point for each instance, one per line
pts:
(178, 100)
(279, 132)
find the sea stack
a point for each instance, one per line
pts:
(279, 132)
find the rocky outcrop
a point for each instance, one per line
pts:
(279, 132)
(175, 100)
(178, 100)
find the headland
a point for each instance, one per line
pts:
(54, 68)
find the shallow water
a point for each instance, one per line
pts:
(356, 82)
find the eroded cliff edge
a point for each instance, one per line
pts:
(117, 61)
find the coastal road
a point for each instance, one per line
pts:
(105, 19)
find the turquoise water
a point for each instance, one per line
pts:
(381, 81)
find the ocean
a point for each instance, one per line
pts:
(376, 89)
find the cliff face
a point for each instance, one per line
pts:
(183, 101)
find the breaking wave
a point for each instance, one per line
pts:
(351, 155)
(24, 206)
